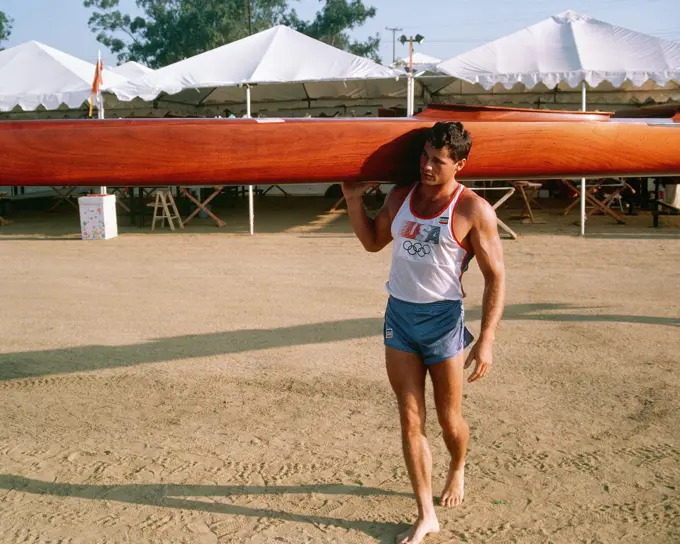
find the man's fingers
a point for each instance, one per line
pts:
(470, 358)
(475, 374)
(480, 370)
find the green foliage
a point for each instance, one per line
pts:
(332, 23)
(172, 30)
(5, 27)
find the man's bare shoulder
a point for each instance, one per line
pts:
(476, 209)
(395, 198)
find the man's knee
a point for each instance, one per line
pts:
(412, 417)
(453, 424)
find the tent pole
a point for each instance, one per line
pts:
(583, 96)
(250, 209)
(411, 92)
(583, 180)
(408, 96)
(251, 212)
(100, 105)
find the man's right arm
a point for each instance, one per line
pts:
(374, 234)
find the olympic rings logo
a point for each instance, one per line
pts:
(416, 249)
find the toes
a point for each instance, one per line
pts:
(450, 501)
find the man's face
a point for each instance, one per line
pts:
(436, 165)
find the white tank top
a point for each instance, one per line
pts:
(427, 260)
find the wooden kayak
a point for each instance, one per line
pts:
(162, 152)
(649, 112)
(465, 112)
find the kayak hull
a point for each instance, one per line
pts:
(163, 152)
(464, 113)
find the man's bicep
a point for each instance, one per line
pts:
(383, 221)
(383, 227)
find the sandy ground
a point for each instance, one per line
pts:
(208, 386)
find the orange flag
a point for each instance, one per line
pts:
(97, 83)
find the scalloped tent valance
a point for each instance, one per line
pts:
(568, 48)
(33, 74)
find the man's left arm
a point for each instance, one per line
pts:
(488, 249)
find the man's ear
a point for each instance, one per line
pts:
(460, 165)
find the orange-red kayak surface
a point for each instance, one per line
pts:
(464, 112)
(161, 152)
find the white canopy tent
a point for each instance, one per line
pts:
(569, 49)
(421, 63)
(131, 70)
(278, 64)
(427, 80)
(33, 74)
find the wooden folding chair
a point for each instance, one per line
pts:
(274, 187)
(202, 206)
(597, 205)
(63, 197)
(528, 190)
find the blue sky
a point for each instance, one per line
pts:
(449, 26)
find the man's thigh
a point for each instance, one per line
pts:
(447, 383)
(406, 372)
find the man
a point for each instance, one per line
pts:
(437, 226)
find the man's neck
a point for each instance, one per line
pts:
(439, 192)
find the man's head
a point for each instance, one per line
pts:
(445, 153)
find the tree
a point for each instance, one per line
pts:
(332, 23)
(5, 27)
(171, 30)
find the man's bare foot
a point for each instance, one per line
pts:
(454, 489)
(420, 528)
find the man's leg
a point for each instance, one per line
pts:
(447, 383)
(407, 372)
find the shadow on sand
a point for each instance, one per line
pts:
(175, 496)
(28, 364)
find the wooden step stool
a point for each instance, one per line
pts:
(162, 208)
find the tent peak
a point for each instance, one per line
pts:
(570, 16)
(32, 44)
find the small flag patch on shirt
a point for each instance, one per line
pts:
(388, 333)
(443, 220)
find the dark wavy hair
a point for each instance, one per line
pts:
(453, 136)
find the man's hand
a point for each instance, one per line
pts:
(354, 189)
(481, 353)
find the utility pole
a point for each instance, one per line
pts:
(250, 19)
(410, 104)
(394, 42)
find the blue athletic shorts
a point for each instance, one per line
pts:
(435, 330)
